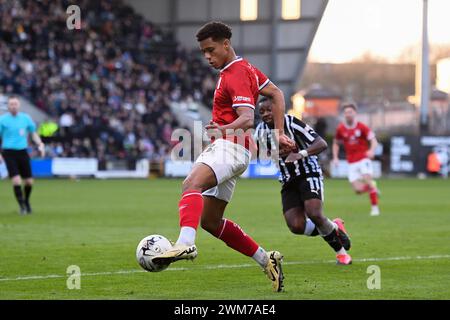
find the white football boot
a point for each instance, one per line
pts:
(375, 211)
(273, 270)
(178, 252)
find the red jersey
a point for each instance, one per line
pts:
(355, 139)
(238, 86)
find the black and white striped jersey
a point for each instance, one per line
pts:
(303, 135)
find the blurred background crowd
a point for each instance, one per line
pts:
(106, 87)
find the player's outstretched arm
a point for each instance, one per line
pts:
(373, 145)
(37, 140)
(335, 151)
(276, 96)
(318, 146)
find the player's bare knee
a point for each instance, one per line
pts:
(295, 220)
(17, 181)
(29, 182)
(297, 227)
(191, 184)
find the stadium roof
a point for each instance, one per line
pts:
(438, 95)
(318, 91)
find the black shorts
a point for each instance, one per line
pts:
(295, 192)
(17, 162)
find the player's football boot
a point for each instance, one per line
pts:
(23, 209)
(375, 211)
(342, 234)
(344, 259)
(28, 208)
(178, 252)
(274, 271)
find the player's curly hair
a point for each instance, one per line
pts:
(262, 100)
(215, 30)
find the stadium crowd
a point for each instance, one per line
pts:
(108, 85)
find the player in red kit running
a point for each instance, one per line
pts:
(211, 182)
(359, 143)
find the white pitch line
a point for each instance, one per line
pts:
(224, 266)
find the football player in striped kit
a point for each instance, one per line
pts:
(302, 191)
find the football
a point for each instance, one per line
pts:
(149, 247)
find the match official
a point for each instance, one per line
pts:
(15, 127)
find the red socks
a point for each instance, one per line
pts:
(191, 207)
(232, 234)
(373, 196)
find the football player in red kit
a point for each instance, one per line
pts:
(211, 182)
(359, 143)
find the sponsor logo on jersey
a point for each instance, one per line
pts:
(241, 99)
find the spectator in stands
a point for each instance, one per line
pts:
(111, 82)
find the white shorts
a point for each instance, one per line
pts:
(357, 170)
(228, 160)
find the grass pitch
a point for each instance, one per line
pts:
(96, 225)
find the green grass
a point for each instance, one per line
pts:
(97, 225)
